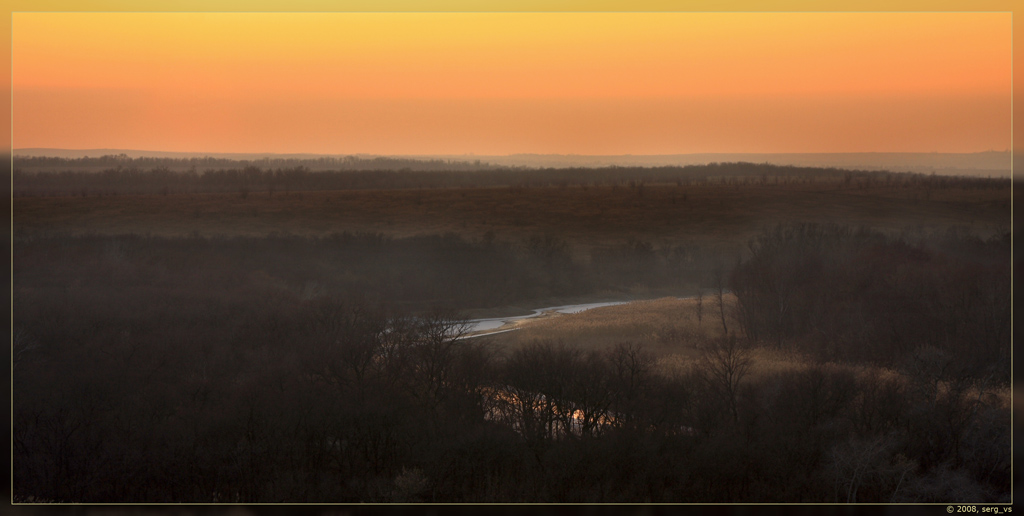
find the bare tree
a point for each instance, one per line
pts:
(719, 277)
(723, 364)
(631, 376)
(585, 406)
(434, 354)
(869, 464)
(700, 305)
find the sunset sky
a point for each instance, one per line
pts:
(503, 83)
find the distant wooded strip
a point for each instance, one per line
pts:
(84, 176)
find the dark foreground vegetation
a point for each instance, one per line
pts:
(216, 331)
(308, 369)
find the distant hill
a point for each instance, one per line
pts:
(979, 163)
(990, 163)
(132, 153)
(904, 161)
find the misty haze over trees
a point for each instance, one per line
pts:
(318, 364)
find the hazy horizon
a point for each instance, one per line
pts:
(972, 164)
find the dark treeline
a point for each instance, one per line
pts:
(414, 272)
(133, 177)
(312, 370)
(844, 294)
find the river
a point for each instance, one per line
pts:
(481, 327)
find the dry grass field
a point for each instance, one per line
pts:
(664, 327)
(668, 329)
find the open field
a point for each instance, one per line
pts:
(668, 329)
(664, 327)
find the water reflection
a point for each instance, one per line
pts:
(475, 326)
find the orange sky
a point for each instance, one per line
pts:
(501, 83)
